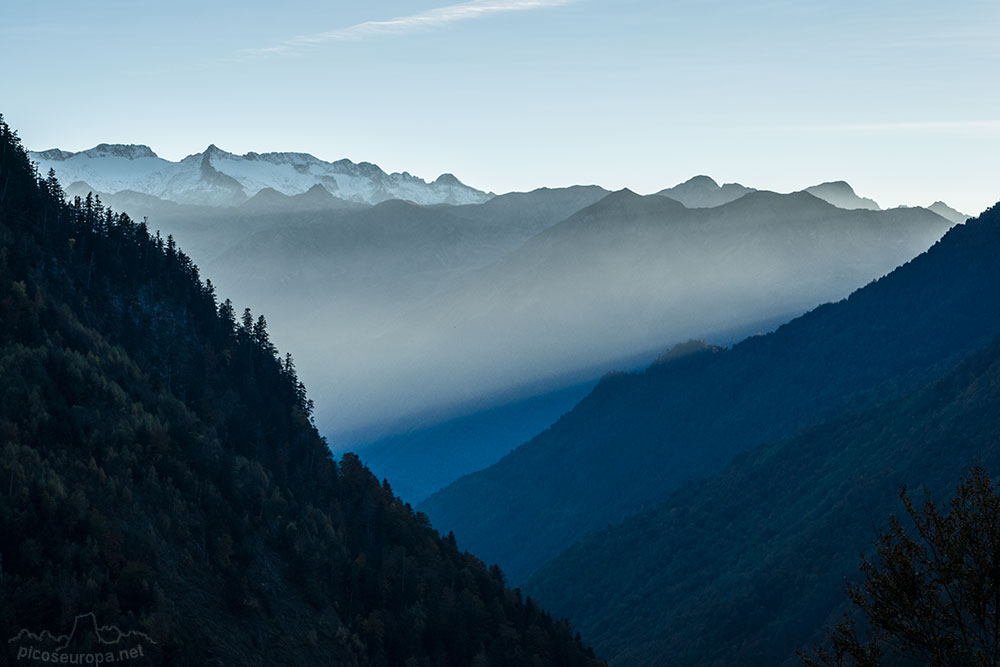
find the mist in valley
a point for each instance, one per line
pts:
(414, 324)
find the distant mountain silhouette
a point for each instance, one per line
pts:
(842, 195)
(704, 192)
(267, 199)
(628, 276)
(372, 297)
(947, 212)
(316, 199)
(529, 213)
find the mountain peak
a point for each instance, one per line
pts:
(126, 151)
(624, 195)
(317, 190)
(701, 181)
(842, 188)
(626, 203)
(81, 188)
(53, 154)
(214, 150)
(947, 212)
(842, 195)
(703, 192)
(265, 194)
(317, 196)
(447, 179)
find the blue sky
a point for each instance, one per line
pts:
(902, 99)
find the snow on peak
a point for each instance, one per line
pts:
(214, 152)
(126, 151)
(219, 178)
(55, 155)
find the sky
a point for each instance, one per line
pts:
(900, 98)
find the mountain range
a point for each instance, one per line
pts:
(615, 283)
(703, 192)
(637, 438)
(215, 177)
(392, 307)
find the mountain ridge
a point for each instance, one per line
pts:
(354, 182)
(842, 195)
(948, 212)
(704, 192)
(760, 550)
(217, 177)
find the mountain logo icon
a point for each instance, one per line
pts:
(86, 644)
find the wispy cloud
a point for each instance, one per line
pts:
(917, 126)
(432, 18)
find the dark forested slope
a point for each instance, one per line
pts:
(748, 565)
(161, 471)
(636, 438)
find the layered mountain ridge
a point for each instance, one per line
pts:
(703, 192)
(621, 280)
(216, 177)
(686, 419)
(842, 195)
(560, 284)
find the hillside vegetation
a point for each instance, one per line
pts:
(160, 469)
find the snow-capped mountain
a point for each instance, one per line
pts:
(217, 178)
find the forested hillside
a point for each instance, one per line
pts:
(160, 469)
(750, 564)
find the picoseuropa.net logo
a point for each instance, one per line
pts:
(86, 644)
